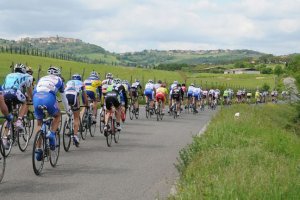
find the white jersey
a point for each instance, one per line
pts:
(190, 89)
(211, 92)
(205, 92)
(196, 91)
(51, 84)
(149, 86)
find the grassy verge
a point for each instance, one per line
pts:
(255, 157)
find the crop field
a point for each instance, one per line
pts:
(131, 73)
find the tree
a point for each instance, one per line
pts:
(266, 70)
(278, 70)
(265, 87)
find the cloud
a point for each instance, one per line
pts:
(132, 25)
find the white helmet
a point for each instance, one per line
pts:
(109, 76)
(21, 68)
(54, 71)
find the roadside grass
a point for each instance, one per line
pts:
(254, 157)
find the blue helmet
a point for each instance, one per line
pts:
(76, 77)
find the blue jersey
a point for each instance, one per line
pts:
(17, 81)
(51, 84)
(76, 85)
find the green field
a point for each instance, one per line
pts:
(254, 157)
(131, 73)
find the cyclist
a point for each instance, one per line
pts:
(15, 86)
(190, 91)
(226, 96)
(4, 108)
(134, 93)
(175, 83)
(274, 95)
(204, 97)
(93, 89)
(114, 98)
(73, 89)
(118, 83)
(126, 86)
(175, 97)
(149, 92)
(249, 95)
(239, 96)
(157, 85)
(161, 94)
(183, 87)
(45, 95)
(105, 83)
(196, 98)
(211, 95)
(257, 96)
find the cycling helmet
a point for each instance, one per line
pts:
(192, 84)
(76, 77)
(163, 85)
(124, 82)
(116, 81)
(150, 81)
(137, 80)
(175, 82)
(29, 70)
(52, 70)
(159, 82)
(21, 68)
(109, 76)
(94, 73)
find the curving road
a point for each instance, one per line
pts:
(141, 166)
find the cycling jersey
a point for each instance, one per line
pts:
(149, 91)
(197, 93)
(226, 93)
(72, 90)
(161, 93)
(45, 95)
(156, 86)
(92, 85)
(249, 94)
(175, 93)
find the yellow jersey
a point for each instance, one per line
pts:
(162, 90)
(92, 84)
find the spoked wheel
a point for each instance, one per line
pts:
(101, 122)
(28, 123)
(84, 125)
(66, 136)
(2, 161)
(116, 133)
(38, 159)
(108, 132)
(8, 129)
(136, 112)
(175, 111)
(131, 111)
(55, 154)
(23, 139)
(147, 111)
(92, 128)
(90, 125)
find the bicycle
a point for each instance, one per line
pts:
(87, 122)
(29, 122)
(42, 141)
(68, 132)
(158, 111)
(111, 131)
(133, 110)
(2, 160)
(13, 134)
(149, 111)
(102, 116)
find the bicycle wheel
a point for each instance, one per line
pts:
(161, 112)
(89, 125)
(28, 122)
(147, 111)
(175, 111)
(108, 133)
(55, 154)
(136, 113)
(101, 122)
(67, 136)
(9, 136)
(60, 124)
(84, 125)
(38, 164)
(131, 111)
(2, 161)
(22, 139)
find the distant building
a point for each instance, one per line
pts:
(241, 71)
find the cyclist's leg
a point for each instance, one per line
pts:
(3, 106)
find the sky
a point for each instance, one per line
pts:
(269, 26)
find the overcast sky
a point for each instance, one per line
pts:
(270, 26)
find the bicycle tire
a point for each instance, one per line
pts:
(89, 125)
(84, 126)
(66, 136)
(54, 155)
(37, 168)
(2, 161)
(23, 138)
(10, 139)
(136, 113)
(60, 124)
(101, 121)
(116, 133)
(147, 111)
(109, 132)
(131, 111)
(29, 123)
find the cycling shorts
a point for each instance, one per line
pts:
(190, 94)
(13, 97)
(160, 96)
(73, 100)
(134, 92)
(149, 93)
(176, 97)
(45, 99)
(196, 96)
(91, 95)
(111, 101)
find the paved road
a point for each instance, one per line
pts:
(141, 166)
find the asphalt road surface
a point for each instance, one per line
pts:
(140, 166)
